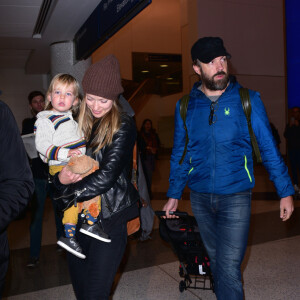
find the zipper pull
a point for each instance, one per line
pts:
(78, 193)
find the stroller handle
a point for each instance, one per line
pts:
(162, 213)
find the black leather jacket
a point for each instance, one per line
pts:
(113, 179)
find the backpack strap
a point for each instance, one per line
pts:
(246, 103)
(184, 102)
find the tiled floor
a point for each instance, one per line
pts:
(271, 269)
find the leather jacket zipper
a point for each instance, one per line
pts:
(106, 202)
(76, 193)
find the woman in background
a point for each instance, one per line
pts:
(148, 146)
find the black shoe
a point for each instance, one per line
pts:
(71, 245)
(33, 262)
(95, 231)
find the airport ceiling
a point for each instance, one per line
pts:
(49, 21)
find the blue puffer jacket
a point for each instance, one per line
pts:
(219, 156)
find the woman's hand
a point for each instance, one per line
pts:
(67, 177)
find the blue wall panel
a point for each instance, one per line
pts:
(292, 12)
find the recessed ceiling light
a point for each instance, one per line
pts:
(163, 66)
(145, 71)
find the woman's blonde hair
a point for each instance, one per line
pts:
(106, 128)
(64, 79)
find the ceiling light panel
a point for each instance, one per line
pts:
(18, 17)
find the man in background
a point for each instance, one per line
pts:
(292, 134)
(43, 188)
(16, 183)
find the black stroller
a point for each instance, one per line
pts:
(183, 235)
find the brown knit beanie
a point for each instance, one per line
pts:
(103, 79)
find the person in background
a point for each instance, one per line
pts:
(292, 134)
(16, 182)
(275, 134)
(148, 143)
(139, 181)
(218, 164)
(110, 136)
(43, 188)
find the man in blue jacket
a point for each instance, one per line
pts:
(218, 165)
(16, 183)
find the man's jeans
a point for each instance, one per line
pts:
(223, 221)
(42, 188)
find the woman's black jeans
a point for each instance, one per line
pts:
(93, 277)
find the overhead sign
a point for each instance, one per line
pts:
(107, 18)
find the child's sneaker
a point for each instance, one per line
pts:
(71, 245)
(95, 230)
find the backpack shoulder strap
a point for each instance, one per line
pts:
(245, 99)
(184, 102)
(246, 103)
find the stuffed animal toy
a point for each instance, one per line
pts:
(85, 165)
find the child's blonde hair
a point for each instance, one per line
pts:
(65, 79)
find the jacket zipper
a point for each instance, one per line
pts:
(76, 193)
(213, 157)
(246, 168)
(106, 202)
(192, 166)
(216, 103)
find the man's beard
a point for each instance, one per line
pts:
(215, 85)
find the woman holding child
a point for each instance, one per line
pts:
(110, 137)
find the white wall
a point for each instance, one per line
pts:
(15, 86)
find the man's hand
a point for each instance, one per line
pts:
(171, 205)
(286, 207)
(67, 177)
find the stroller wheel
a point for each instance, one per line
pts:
(182, 286)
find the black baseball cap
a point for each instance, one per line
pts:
(208, 48)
